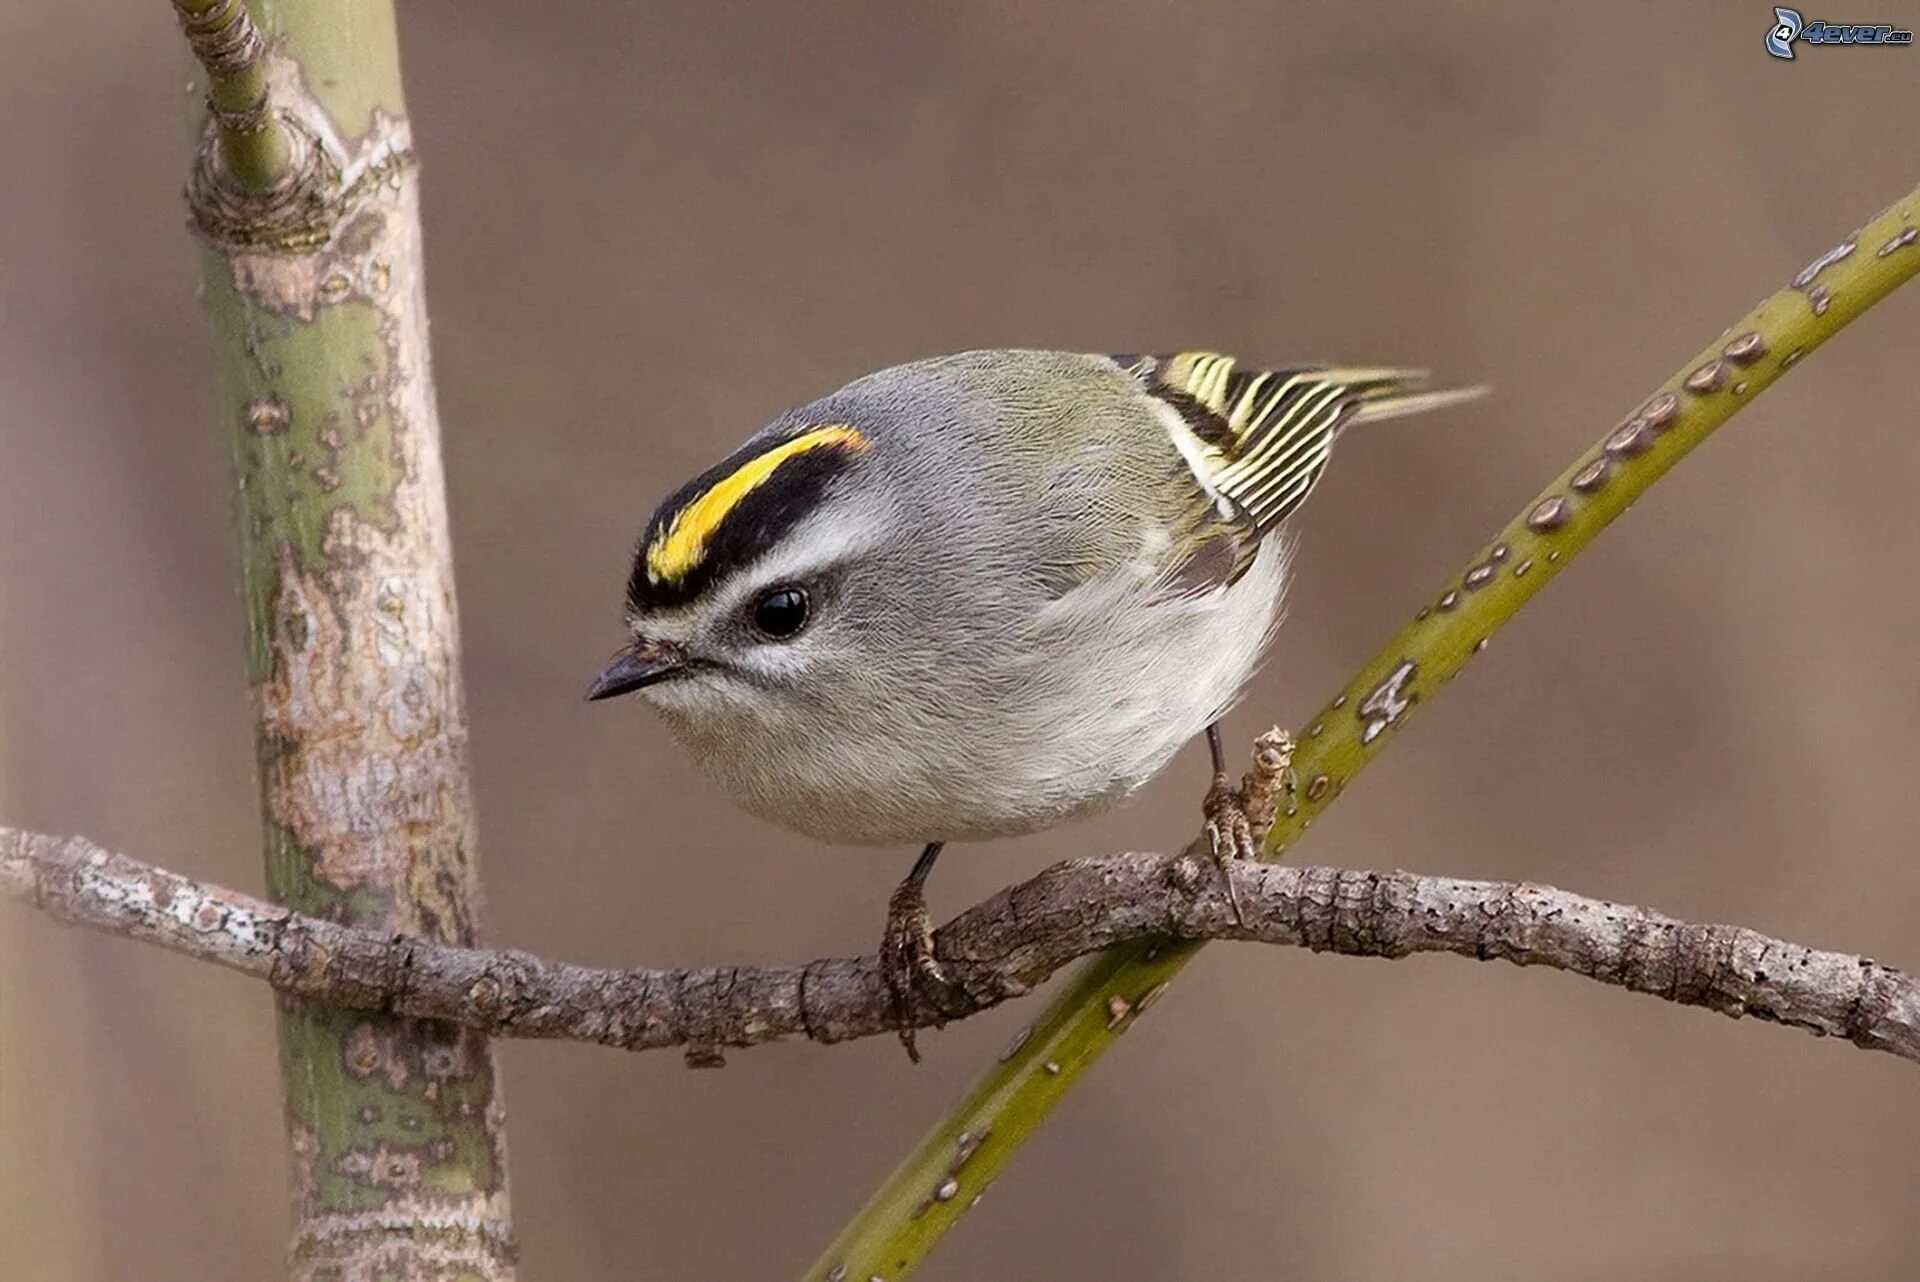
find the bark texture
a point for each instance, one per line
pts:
(314, 285)
(997, 950)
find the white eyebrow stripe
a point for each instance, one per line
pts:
(823, 539)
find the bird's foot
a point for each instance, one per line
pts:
(1234, 815)
(907, 957)
(1229, 833)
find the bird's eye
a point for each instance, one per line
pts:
(780, 612)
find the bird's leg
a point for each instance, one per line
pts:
(1229, 834)
(1217, 752)
(1235, 814)
(906, 951)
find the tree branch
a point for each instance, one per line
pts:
(228, 46)
(997, 950)
(315, 289)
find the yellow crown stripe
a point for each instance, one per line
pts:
(678, 548)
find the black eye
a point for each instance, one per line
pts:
(780, 612)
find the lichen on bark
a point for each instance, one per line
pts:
(318, 303)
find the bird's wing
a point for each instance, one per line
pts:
(1258, 440)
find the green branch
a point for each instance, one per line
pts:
(927, 1194)
(228, 46)
(315, 290)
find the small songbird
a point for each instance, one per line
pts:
(977, 595)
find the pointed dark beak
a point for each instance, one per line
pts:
(644, 664)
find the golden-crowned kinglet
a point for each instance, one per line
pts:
(977, 595)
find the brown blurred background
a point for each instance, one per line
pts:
(651, 227)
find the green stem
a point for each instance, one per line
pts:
(228, 47)
(317, 298)
(925, 1197)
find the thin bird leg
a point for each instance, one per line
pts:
(1229, 835)
(907, 948)
(1214, 747)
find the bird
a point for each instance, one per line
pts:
(978, 595)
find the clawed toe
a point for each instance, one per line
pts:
(1229, 834)
(1237, 817)
(906, 953)
(1229, 830)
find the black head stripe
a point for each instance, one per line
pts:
(754, 524)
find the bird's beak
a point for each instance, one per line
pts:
(641, 665)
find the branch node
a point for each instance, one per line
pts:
(296, 210)
(222, 36)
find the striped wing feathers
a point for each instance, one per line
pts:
(1260, 439)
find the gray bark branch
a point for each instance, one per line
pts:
(995, 951)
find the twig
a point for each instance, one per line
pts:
(998, 950)
(228, 47)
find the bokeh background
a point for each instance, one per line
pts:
(650, 227)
